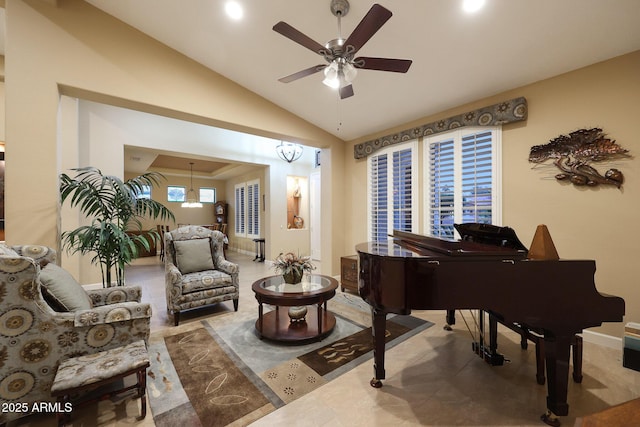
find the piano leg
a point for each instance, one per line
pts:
(450, 320)
(557, 350)
(378, 329)
(577, 359)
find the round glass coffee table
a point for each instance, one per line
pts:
(295, 324)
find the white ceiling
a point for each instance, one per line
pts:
(457, 57)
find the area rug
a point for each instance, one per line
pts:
(225, 375)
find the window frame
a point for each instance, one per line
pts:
(458, 136)
(247, 221)
(412, 146)
(215, 194)
(253, 209)
(184, 193)
(239, 203)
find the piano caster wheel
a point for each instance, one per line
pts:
(447, 327)
(375, 383)
(550, 419)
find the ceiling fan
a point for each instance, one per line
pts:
(340, 53)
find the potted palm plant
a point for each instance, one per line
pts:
(114, 206)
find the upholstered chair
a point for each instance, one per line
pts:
(196, 271)
(35, 338)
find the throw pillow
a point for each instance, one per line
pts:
(63, 289)
(193, 255)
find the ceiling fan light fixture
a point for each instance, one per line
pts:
(350, 72)
(339, 74)
(192, 199)
(288, 151)
(331, 75)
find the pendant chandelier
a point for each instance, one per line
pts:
(192, 199)
(289, 151)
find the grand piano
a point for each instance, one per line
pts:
(411, 271)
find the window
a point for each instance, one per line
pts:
(207, 195)
(176, 193)
(145, 193)
(240, 204)
(462, 179)
(253, 209)
(392, 174)
(247, 209)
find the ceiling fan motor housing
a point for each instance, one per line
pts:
(335, 50)
(339, 8)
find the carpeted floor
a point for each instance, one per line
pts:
(218, 373)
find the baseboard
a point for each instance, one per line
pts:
(602, 339)
(241, 251)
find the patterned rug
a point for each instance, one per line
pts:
(206, 376)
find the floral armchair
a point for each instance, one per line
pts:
(196, 271)
(34, 338)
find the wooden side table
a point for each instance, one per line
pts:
(349, 273)
(314, 290)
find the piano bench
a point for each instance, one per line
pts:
(537, 337)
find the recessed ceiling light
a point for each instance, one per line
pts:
(234, 10)
(471, 6)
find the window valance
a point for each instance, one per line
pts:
(514, 110)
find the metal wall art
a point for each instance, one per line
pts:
(573, 153)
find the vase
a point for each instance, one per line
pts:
(297, 314)
(294, 276)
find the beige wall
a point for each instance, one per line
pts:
(199, 216)
(106, 61)
(585, 223)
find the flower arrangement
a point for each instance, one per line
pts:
(292, 266)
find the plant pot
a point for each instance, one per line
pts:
(293, 277)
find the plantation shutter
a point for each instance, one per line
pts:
(391, 191)
(402, 200)
(253, 209)
(379, 215)
(477, 178)
(463, 179)
(441, 188)
(240, 209)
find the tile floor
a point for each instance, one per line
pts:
(433, 378)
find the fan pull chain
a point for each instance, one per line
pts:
(338, 113)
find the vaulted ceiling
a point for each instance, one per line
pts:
(458, 57)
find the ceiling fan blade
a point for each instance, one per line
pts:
(383, 64)
(346, 91)
(370, 24)
(291, 33)
(301, 74)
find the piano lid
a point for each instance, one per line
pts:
(408, 245)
